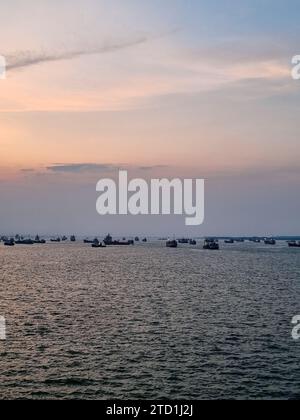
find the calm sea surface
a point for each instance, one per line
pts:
(147, 322)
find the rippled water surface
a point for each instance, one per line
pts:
(147, 322)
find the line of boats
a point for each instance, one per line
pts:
(214, 244)
(19, 240)
(108, 241)
(209, 243)
(267, 241)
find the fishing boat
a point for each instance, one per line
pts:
(37, 240)
(55, 240)
(229, 241)
(98, 245)
(193, 242)
(124, 242)
(108, 241)
(270, 241)
(183, 241)
(211, 244)
(145, 240)
(73, 238)
(294, 244)
(172, 243)
(9, 242)
(25, 242)
(94, 241)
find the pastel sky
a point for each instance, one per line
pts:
(162, 88)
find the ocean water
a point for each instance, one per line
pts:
(147, 322)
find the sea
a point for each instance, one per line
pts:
(147, 322)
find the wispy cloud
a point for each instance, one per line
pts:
(152, 168)
(24, 59)
(31, 58)
(98, 167)
(81, 167)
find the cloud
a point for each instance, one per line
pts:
(31, 58)
(129, 81)
(25, 59)
(152, 168)
(97, 167)
(81, 167)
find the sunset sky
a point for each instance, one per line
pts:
(163, 88)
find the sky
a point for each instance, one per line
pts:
(167, 88)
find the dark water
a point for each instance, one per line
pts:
(147, 322)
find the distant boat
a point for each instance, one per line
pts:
(211, 244)
(25, 242)
(124, 242)
(229, 241)
(73, 238)
(137, 239)
(55, 240)
(270, 241)
(294, 244)
(145, 240)
(9, 242)
(172, 243)
(64, 238)
(98, 245)
(37, 240)
(193, 242)
(241, 240)
(94, 241)
(183, 241)
(108, 241)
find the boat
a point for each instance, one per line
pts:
(108, 241)
(229, 241)
(37, 240)
(183, 241)
(55, 240)
(145, 240)
(94, 241)
(193, 242)
(172, 243)
(25, 242)
(294, 244)
(211, 244)
(98, 245)
(64, 238)
(270, 241)
(137, 239)
(9, 242)
(73, 238)
(123, 242)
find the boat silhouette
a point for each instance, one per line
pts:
(171, 243)
(211, 244)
